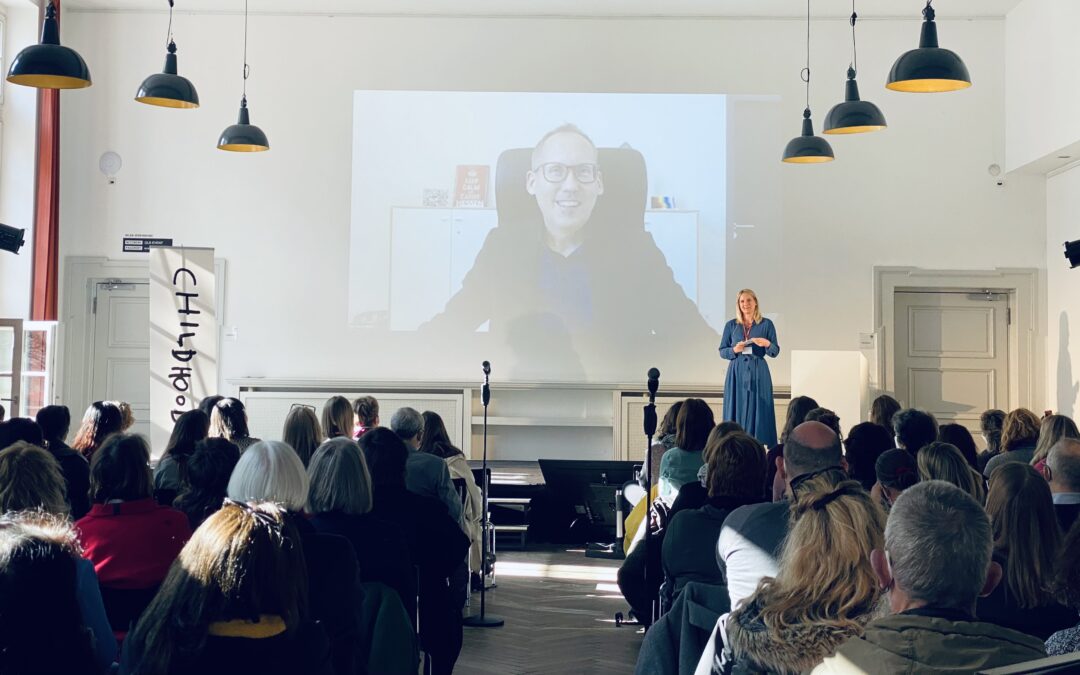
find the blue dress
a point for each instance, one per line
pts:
(748, 394)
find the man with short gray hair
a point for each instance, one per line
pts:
(935, 565)
(425, 474)
(1062, 472)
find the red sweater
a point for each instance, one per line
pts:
(132, 544)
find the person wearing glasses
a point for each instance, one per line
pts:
(576, 277)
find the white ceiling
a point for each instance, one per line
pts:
(602, 8)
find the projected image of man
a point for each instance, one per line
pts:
(570, 278)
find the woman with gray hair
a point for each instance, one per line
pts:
(339, 501)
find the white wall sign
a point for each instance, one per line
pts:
(183, 336)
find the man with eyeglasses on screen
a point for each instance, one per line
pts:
(568, 286)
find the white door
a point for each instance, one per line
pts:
(952, 354)
(11, 335)
(120, 369)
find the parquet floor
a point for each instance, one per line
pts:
(558, 607)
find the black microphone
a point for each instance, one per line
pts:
(486, 365)
(654, 381)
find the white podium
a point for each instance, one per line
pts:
(837, 380)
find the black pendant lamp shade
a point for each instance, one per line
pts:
(167, 89)
(49, 65)
(854, 116)
(243, 136)
(928, 69)
(808, 148)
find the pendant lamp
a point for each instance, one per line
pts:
(807, 148)
(854, 116)
(928, 69)
(244, 136)
(49, 65)
(167, 89)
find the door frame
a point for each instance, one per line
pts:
(1027, 335)
(75, 332)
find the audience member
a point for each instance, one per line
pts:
(270, 471)
(20, 429)
(127, 416)
(680, 464)
(826, 417)
(425, 474)
(32, 491)
(235, 601)
(694, 494)
(42, 627)
(366, 409)
(100, 420)
(1062, 473)
(1052, 429)
(337, 417)
(207, 482)
(436, 543)
(896, 471)
(635, 525)
(130, 538)
(990, 424)
(824, 592)
(750, 539)
(735, 463)
(914, 428)
(208, 404)
(55, 421)
(864, 444)
(229, 421)
(1067, 587)
(1019, 436)
(340, 501)
(943, 461)
(934, 565)
(302, 431)
(30, 478)
(882, 410)
(190, 428)
(1027, 542)
(436, 441)
(796, 415)
(959, 436)
(3, 413)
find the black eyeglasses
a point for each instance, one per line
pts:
(294, 406)
(554, 172)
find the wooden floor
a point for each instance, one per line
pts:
(558, 606)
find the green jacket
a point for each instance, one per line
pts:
(910, 643)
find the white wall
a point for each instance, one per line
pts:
(1063, 294)
(1042, 80)
(17, 143)
(917, 194)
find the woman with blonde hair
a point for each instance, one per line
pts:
(302, 431)
(825, 591)
(746, 341)
(337, 417)
(944, 461)
(1052, 429)
(1019, 436)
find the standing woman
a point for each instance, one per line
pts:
(748, 393)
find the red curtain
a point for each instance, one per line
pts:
(43, 295)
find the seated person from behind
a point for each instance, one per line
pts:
(914, 428)
(935, 564)
(425, 474)
(1062, 472)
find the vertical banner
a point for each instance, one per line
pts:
(183, 336)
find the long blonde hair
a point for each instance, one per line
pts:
(1052, 429)
(944, 461)
(825, 575)
(757, 306)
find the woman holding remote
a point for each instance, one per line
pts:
(748, 394)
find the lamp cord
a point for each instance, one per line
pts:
(805, 75)
(168, 37)
(247, 69)
(854, 48)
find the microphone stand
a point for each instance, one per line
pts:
(481, 620)
(650, 543)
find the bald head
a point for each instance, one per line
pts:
(811, 447)
(1063, 460)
